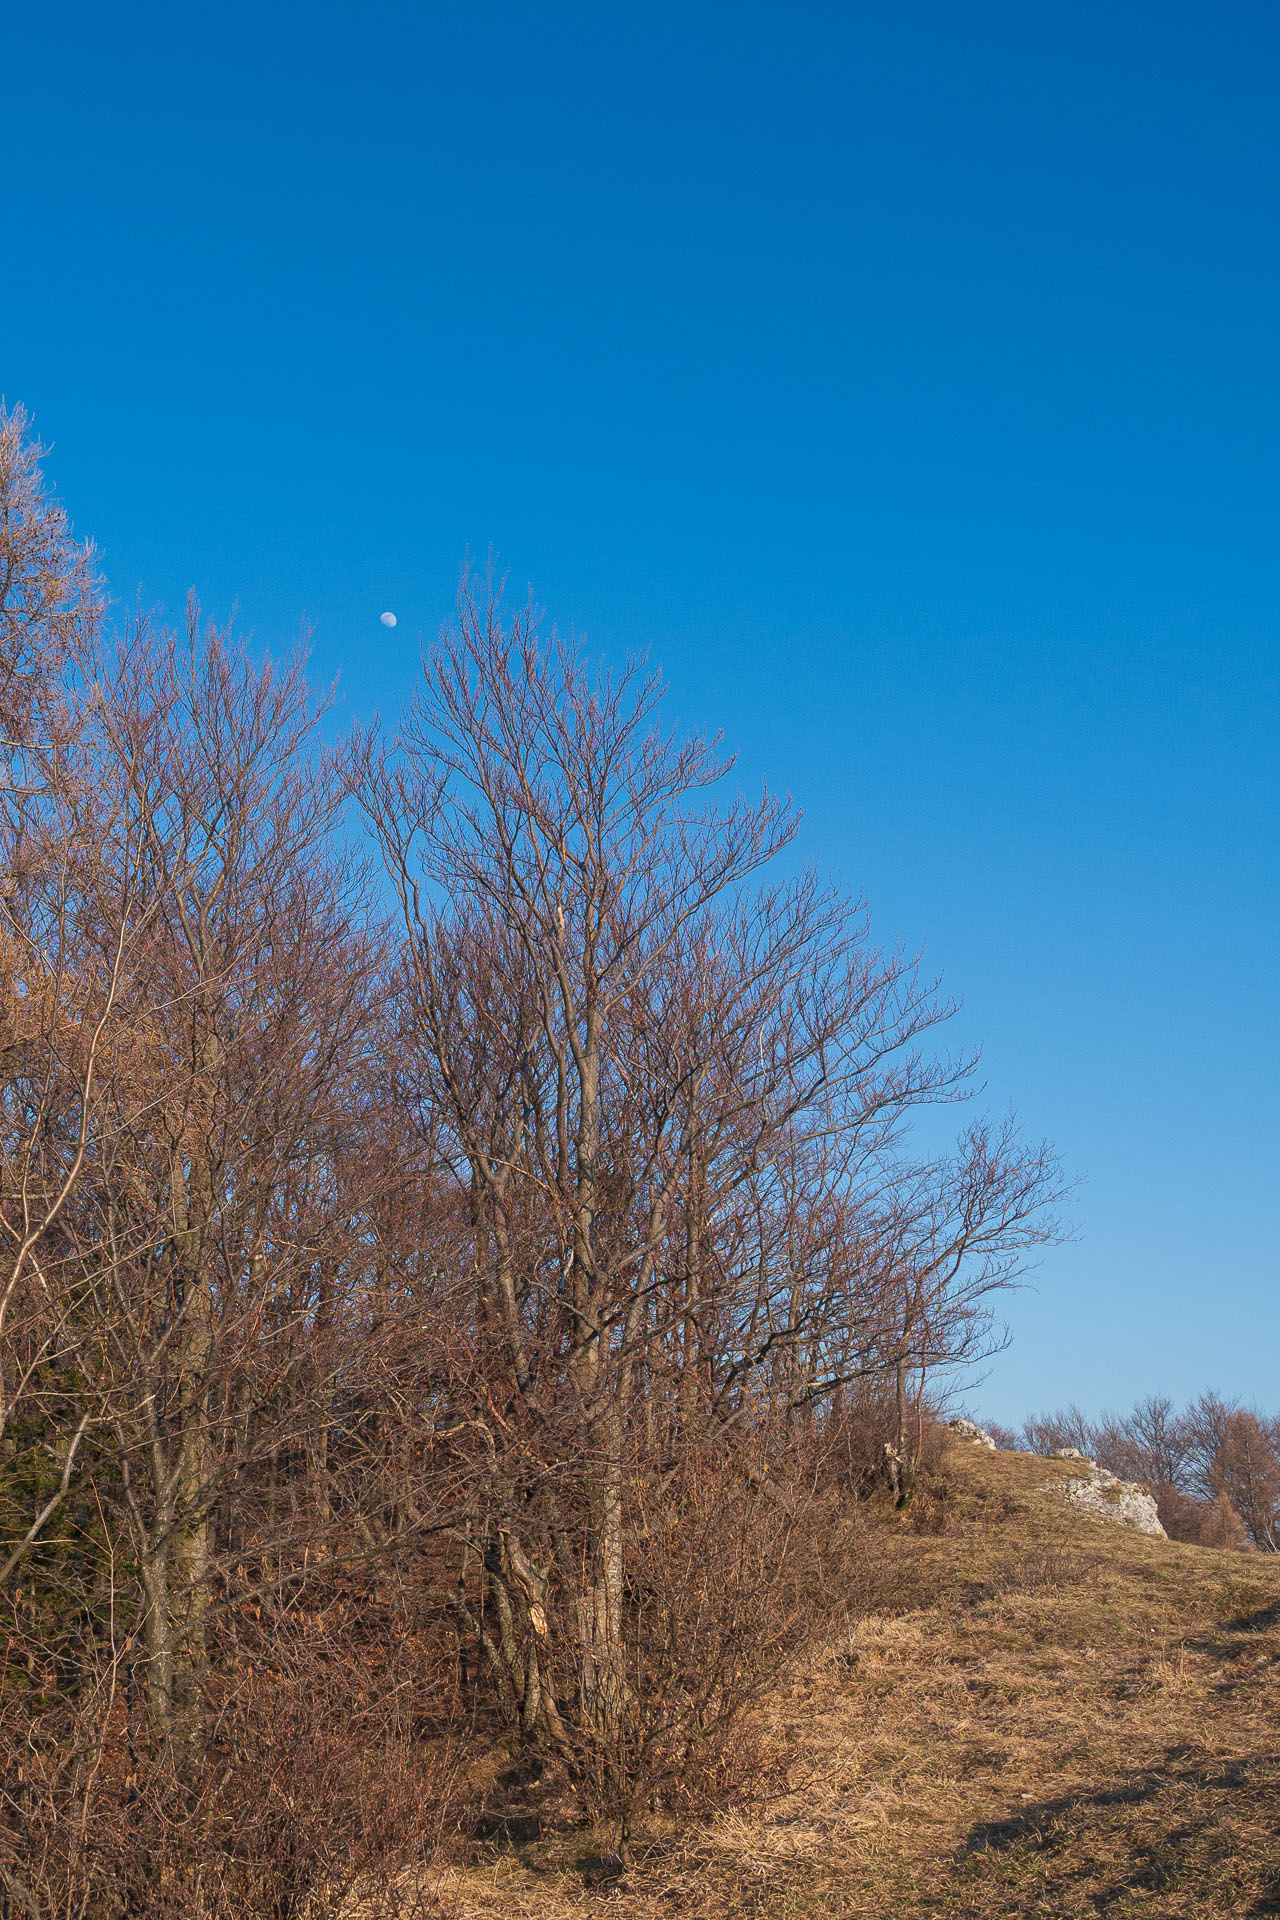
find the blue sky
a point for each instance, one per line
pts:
(904, 377)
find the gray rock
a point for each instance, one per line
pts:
(1104, 1497)
(964, 1429)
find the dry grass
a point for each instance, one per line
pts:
(1078, 1721)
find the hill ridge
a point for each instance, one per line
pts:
(1036, 1715)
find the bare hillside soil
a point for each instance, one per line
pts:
(1051, 1716)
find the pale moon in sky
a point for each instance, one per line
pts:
(387, 619)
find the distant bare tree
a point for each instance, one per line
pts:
(1235, 1459)
(1068, 1427)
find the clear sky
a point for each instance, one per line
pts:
(906, 377)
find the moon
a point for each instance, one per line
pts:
(387, 619)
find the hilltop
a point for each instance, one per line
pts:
(1036, 1713)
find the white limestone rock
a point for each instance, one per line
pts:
(970, 1430)
(1104, 1497)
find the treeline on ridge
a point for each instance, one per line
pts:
(1213, 1466)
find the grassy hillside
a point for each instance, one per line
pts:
(1041, 1715)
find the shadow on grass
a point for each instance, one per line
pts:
(1261, 1620)
(1184, 1847)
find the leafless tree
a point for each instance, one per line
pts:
(669, 1088)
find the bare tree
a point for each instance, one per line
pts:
(668, 1090)
(244, 1018)
(51, 605)
(56, 819)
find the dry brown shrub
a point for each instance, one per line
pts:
(1221, 1526)
(1182, 1516)
(316, 1784)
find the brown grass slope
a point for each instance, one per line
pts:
(1054, 1717)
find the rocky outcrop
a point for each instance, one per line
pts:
(1094, 1490)
(1104, 1497)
